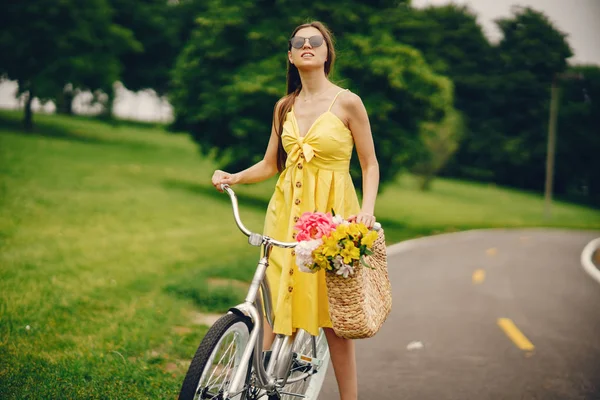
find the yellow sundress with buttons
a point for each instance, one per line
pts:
(316, 178)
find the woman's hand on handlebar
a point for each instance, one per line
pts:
(221, 177)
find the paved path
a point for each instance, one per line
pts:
(458, 300)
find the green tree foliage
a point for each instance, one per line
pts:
(577, 161)
(441, 140)
(158, 26)
(532, 52)
(46, 44)
(400, 92)
(502, 90)
(454, 44)
(231, 73)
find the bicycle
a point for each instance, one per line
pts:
(230, 362)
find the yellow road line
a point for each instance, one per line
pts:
(515, 334)
(478, 276)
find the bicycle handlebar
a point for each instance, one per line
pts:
(236, 211)
(257, 239)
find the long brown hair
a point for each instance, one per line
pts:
(294, 84)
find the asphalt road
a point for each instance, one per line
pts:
(458, 299)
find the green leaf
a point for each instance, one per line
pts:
(364, 263)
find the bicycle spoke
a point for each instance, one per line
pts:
(220, 367)
(211, 362)
(313, 356)
(227, 354)
(229, 371)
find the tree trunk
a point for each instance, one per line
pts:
(65, 102)
(426, 181)
(28, 118)
(107, 111)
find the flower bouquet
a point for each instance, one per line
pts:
(359, 306)
(329, 242)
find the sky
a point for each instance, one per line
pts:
(576, 18)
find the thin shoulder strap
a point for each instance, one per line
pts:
(335, 98)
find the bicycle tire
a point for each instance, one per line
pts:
(207, 347)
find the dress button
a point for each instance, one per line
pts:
(298, 184)
(296, 219)
(297, 201)
(301, 155)
(290, 289)
(299, 165)
(291, 271)
(294, 236)
(293, 252)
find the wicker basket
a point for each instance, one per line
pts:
(359, 305)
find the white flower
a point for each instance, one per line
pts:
(345, 270)
(302, 268)
(338, 219)
(337, 262)
(304, 251)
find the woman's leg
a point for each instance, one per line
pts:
(344, 364)
(268, 335)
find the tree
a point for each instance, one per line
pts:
(156, 25)
(503, 91)
(232, 72)
(454, 44)
(441, 140)
(577, 173)
(532, 51)
(400, 93)
(47, 44)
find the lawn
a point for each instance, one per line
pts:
(113, 243)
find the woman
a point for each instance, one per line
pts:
(314, 130)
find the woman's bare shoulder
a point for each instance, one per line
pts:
(350, 102)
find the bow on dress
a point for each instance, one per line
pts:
(300, 147)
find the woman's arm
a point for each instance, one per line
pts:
(358, 122)
(262, 170)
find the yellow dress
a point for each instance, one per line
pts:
(316, 178)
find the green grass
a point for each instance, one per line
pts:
(112, 240)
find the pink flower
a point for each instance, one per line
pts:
(314, 226)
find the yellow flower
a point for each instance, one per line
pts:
(330, 246)
(320, 259)
(339, 234)
(363, 229)
(354, 230)
(369, 239)
(342, 229)
(350, 253)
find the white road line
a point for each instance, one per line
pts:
(586, 259)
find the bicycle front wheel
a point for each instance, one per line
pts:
(217, 360)
(314, 347)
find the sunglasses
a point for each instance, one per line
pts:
(297, 42)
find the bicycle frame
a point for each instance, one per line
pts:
(279, 364)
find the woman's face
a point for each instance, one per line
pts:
(308, 55)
